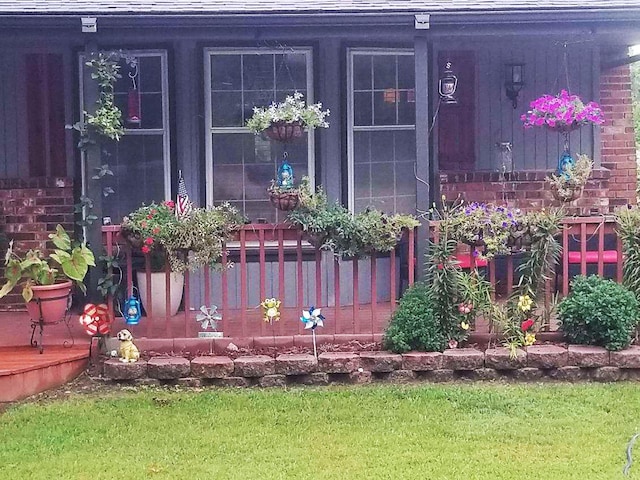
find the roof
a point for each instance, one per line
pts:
(195, 7)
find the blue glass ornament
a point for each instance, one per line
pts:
(132, 311)
(565, 161)
(285, 175)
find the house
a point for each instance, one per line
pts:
(199, 67)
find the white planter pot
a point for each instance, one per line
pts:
(158, 292)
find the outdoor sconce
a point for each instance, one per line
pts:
(447, 85)
(513, 81)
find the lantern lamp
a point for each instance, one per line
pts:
(132, 311)
(447, 85)
(513, 81)
(285, 175)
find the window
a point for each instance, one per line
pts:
(381, 130)
(140, 161)
(240, 165)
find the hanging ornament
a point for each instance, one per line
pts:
(132, 310)
(134, 117)
(271, 310)
(566, 161)
(285, 174)
(96, 319)
(312, 319)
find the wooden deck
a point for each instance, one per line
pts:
(24, 371)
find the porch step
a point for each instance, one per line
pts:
(25, 372)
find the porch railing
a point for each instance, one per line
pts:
(265, 260)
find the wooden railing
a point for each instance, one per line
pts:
(263, 261)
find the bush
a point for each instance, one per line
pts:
(599, 312)
(414, 325)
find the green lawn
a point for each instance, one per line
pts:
(456, 432)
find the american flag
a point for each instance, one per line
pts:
(184, 206)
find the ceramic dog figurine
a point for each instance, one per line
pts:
(128, 351)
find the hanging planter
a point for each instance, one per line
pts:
(284, 200)
(284, 131)
(562, 113)
(569, 185)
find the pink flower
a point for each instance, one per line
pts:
(148, 241)
(156, 230)
(145, 249)
(169, 203)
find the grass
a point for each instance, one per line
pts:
(551, 431)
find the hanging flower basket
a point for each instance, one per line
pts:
(284, 131)
(284, 201)
(568, 194)
(562, 113)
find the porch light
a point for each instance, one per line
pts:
(513, 81)
(447, 85)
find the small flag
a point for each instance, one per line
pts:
(184, 206)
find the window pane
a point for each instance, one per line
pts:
(406, 72)
(225, 109)
(225, 72)
(150, 110)
(256, 99)
(384, 71)
(406, 107)
(291, 72)
(258, 72)
(150, 74)
(384, 107)
(362, 111)
(137, 164)
(362, 72)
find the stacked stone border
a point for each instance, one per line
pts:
(573, 363)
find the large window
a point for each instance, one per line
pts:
(240, 165)
(381, 130)
(140, 161)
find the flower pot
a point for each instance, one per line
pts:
(49, 302)
(158, 292)
(285, 201)
(284, 131)
(568, 194)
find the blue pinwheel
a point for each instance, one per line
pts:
(312, 318)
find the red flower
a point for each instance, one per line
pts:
(148, 241)
(149, 216)
(145, 249)
(170, 203)
(527, 324)
(156, 230)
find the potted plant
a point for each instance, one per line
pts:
(569, 185)
(562, 113)
(284, 198)
(287, 120)
(46, 279)
(185, 243)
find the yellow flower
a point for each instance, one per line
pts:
(529, 339)
(464, 326)
(525, 303)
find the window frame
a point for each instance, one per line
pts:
(351, 127)
(210, 130)
(165, 131)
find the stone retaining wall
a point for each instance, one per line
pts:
(537, 362)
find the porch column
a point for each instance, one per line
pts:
(423, 179)
(92, 188)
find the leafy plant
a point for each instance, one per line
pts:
(572, 180)
(293, 109)
(68, 261)
(628, 221)
(187, 243)
(562, 112)
(330, 226)
(599, 312)
(414, 325)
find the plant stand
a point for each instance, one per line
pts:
(40, 323)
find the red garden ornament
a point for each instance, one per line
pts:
(96, 319)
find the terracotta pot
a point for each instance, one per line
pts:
(50, 301)
(158, 292)
(284, 131)
(285, 201)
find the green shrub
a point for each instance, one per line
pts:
(414, 325)
(599, 312)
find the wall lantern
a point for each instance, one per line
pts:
(513, 81)
(447, 85)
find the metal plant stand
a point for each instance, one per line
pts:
(39, 323)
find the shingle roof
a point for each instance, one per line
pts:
(182, 7)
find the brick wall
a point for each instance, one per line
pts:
(29, 210)
(611, 185)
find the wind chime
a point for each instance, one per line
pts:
(134, 117)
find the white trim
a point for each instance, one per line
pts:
(210, 129)
(351, 128)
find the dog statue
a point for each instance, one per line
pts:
(128, 351)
